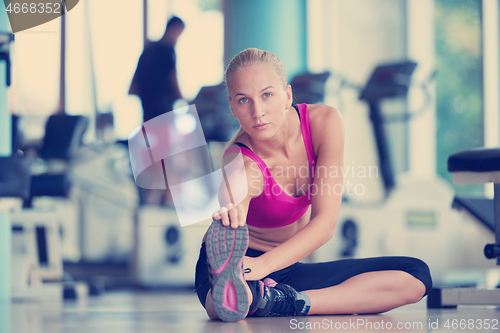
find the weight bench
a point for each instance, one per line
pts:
(475, 166)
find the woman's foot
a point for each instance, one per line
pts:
(225, 249)
(280, 300)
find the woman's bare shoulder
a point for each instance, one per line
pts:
(326, 123)
(318, 113)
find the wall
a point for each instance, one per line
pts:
(278, 26)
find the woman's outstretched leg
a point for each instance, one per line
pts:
(225, 248)
(370, 285)
(371, 292)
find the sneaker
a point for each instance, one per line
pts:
(282, 300)
(225, 249)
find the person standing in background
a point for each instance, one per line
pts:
(155, 79)
(155, 83)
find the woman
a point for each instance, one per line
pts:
(249, 261)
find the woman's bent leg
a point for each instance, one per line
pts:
(368, 285)
(371, 292)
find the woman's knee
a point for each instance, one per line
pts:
(419, 270)
(415, 289)
(418, 280)
(423, 274)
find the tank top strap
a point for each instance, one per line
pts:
(248, 152)
(306, 134)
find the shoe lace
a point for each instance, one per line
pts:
(284, 303)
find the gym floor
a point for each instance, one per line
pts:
(180, 311)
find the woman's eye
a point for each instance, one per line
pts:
(243, 100)
(267, 95)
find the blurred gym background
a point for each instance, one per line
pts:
(416, 81)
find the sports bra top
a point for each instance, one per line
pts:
(274, 207)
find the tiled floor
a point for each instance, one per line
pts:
(172, 312)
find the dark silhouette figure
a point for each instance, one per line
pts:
(155, 79)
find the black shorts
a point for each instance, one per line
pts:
(305, 276)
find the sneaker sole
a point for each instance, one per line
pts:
(225, 249)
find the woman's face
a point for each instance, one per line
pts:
(258, 101)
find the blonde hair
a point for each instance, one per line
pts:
(251, 56)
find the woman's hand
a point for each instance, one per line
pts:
(254, 269)
(231, 215)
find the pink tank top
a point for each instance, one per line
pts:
(274, 207)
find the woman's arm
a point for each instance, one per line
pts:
(326, 192)
(240, 184)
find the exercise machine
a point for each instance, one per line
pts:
(476, 166)
(413, 212)
(39, 230)
(167, 253)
